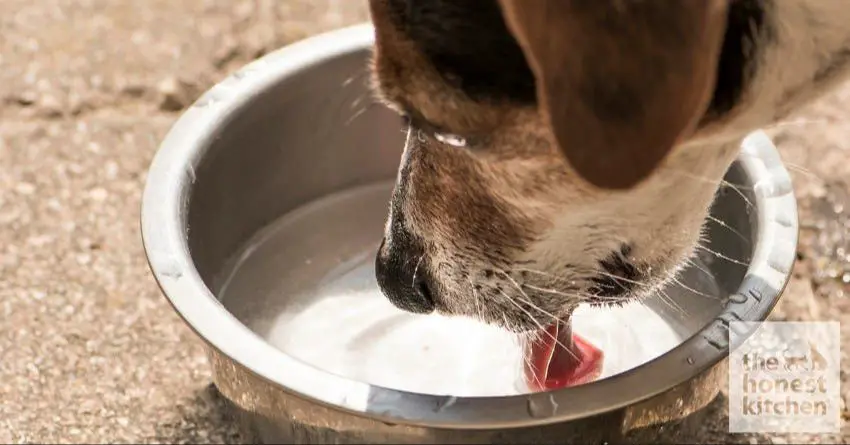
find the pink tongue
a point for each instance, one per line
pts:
(551, 366)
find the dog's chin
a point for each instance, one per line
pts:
(611, 288)
(530, 296)
(601, 294)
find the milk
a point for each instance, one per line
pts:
(357, 333)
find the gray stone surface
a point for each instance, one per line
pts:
(89, 350)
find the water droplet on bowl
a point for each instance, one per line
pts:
(204, 102)
(170, 269)
(243, 73)
(446, 403)
(190, 172)
(542, 405)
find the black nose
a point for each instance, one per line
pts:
(402, 275)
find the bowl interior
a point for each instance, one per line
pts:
(289, 202)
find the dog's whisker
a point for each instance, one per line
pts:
(357, 104)
(527, 359)
(527, 300)
(619, 281)
(415, 271)
(693, 263)
(717, 183)
(518, 306)
(477, 300)
(694, 291)
(350, 80)
(584, 269)
(542, 328)
(358, 113)
(721, 256)
(795, 167)
(357, 101)
(528, 339)
(730, 228)
(668, 300)
(362, 73)
(803, 170)
(526, 296)
(508, 324)
(511, 279)
(552, 291)
(710, 181)
(547, 274)
(597, 297)
(794, 123)
(739, 190)
(572, 282)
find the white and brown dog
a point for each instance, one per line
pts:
(568, 151)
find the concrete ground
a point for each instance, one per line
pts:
(89, 350)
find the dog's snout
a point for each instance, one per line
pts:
(402, 277)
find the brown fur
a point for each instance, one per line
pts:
(514, 218)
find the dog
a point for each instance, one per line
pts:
(561, 152)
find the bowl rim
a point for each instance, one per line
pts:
(164, 216)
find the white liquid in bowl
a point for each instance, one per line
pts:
(363, 337)
(307, 285)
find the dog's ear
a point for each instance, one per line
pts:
(620, 81)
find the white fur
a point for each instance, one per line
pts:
(576, 228)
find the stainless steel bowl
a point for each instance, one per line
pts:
(296, 126)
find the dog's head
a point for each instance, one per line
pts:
(558, 151)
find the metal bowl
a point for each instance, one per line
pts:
(297, 126)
